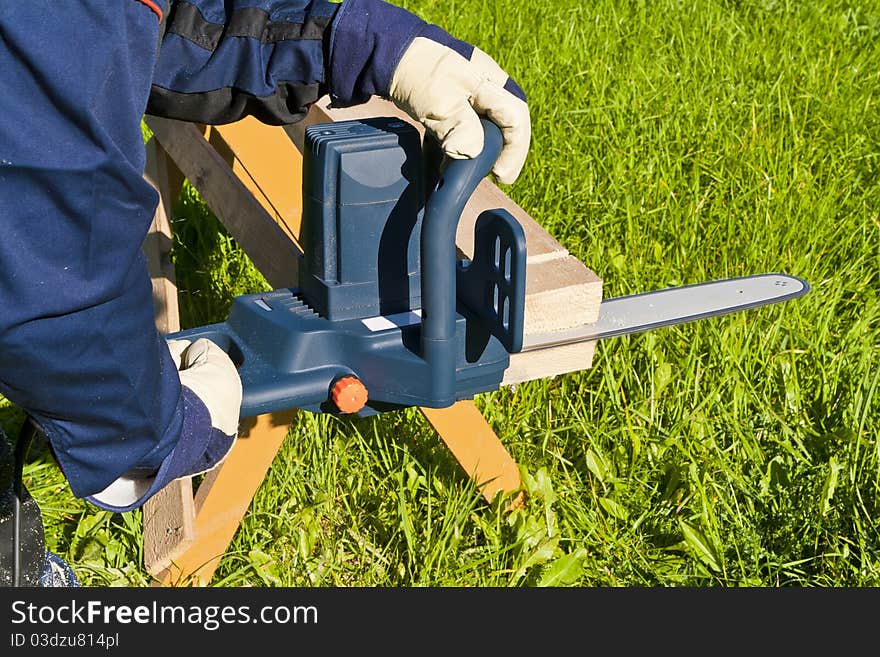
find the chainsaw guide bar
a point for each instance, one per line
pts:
(676, 305)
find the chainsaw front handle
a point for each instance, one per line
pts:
(458, 180)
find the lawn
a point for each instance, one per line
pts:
(673, 143)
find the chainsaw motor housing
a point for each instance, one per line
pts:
(383, 296)
(363, 200)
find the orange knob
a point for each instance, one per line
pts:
(349, 394)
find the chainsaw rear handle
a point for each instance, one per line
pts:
(458, 180)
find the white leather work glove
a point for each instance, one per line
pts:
(209, 372)
(379, 49)
(437, 86)
(176, 349)
(206, 372)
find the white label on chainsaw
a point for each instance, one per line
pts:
(385, 322)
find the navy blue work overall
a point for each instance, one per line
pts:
(79, 350)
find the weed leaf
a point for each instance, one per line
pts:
(265, 567)
(697, 542)
(613, 508)
(565, 570)
(830, 485)
(596, 465)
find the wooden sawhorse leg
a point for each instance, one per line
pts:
(170, 512)
(478, 450)
(207, 524)
(221, 500)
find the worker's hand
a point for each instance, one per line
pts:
(379, 49)
(448, 92)
(208, 372)
(210, 427)
(176, 348)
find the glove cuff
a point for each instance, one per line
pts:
(199, 449)
(368, 39)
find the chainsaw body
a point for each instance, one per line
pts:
(382, 295)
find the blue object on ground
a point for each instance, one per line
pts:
(57, 573)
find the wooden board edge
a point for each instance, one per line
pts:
(548, 363)
(260, 237)
(168, 517)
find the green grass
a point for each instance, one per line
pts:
(672, 143)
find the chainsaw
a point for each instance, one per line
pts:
(385, 314)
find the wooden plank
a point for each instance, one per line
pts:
(539, 243)
(475, 446)
(223, 498)
(548, 363)
(256, 232)
(169, 525)
(272, 171)
(558, 287)
(157, 244)
(168, 516)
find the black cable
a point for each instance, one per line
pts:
(22, 447)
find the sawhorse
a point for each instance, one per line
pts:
(249, 175)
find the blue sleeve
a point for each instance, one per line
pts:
(368, 39)
(79, 350)
(199, 450)
(221, 60)
(366, 43)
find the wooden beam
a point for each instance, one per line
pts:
(256, 232)
(272, 172)
(475, 446)
(169, 525)
(548, 363)
(540, 244)
(168, 516)
(157, 245)
(223, 497)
